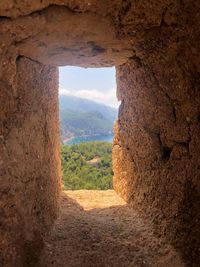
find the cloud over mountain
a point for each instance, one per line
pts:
(109, 98)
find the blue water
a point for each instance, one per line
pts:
(77, 140)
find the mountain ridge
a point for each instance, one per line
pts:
(80, 117)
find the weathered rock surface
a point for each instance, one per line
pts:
(104, 231)
(156, 149)
(30, 161)
(61, 40)
(58, 36)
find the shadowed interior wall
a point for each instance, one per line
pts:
(156, 154)
(30, 164)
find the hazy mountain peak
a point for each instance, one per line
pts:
(80, 117)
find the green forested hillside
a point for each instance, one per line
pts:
(80, 105)
(87, 166)
(85, 122)
(79, 117)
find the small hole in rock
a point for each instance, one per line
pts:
(166, 153)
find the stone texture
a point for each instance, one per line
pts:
(81, 46)
(30, 164)
(156, 148)
(58, 36)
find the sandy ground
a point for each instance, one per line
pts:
(97, 228)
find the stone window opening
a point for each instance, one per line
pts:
(155, 48)
(88, 111)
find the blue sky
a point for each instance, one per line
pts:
(98, 84)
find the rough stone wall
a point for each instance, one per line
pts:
(59, 36)
(29, 158)
(156, 152)
(156, 147)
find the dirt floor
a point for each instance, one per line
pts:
(97, 228)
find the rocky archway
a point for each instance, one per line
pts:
(155, 47)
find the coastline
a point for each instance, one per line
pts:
(65, 140)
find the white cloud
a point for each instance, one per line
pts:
(108, 98)
(63, 91)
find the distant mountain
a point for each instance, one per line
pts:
(84, 105)
(80, 117)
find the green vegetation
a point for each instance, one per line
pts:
(79, 117)
(87, 166)
(81, 123)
